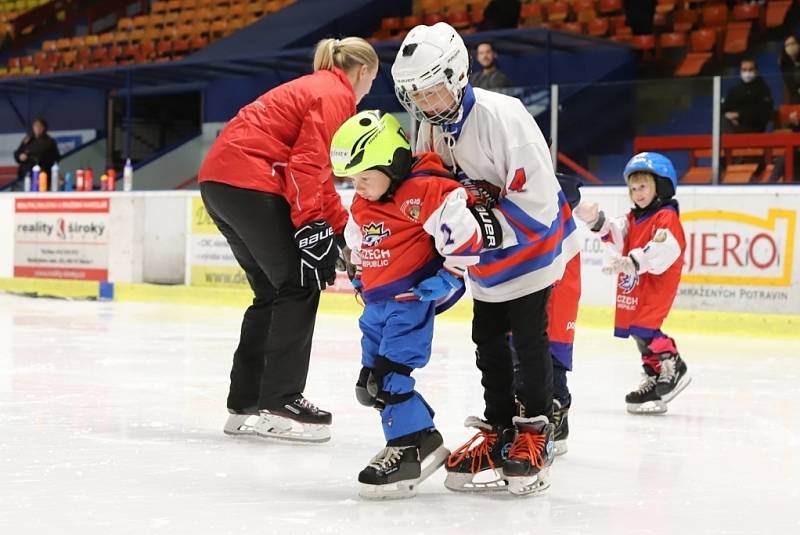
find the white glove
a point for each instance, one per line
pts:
(617, 263)
(587, 212)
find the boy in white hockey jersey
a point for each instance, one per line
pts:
(403, 217)
(494, 146)
(646, 250)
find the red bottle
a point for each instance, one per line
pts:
(88, 180)
(112, 180)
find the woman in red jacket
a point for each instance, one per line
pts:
(266, 183)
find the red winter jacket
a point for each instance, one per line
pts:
(280, 143)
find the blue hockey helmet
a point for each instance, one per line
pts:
(659, 166)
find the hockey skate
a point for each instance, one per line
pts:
(241, 422)
(673, 378)
(298, 421)
(478, 464)
(645, 399)
(396, 471)
(561, 424)
(528, 465)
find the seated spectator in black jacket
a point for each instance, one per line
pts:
(748, 106)
(489, 77)
(790, 68)
(500, 15)
(36, 148)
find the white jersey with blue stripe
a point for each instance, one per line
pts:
(498, 142)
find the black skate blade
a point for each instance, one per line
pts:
(682, 384)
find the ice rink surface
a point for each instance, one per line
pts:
(112, 414)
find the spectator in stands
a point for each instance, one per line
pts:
(748, 106)
(639, 15)
(790, 68)
(36, 148)
(266, 184)
(500, 15)
(489, 77)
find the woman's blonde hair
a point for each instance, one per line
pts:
(345, 54)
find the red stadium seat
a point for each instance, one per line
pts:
(459, 20)
(703, 40)
(684, 20)
(693, 63)
(737, 35)
(672, 40)
(715, 15)
(557, 12)
(776, 13)
(746, 12)
(607, 7)
(598, 27)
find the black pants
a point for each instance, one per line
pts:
(270, 365)
(526, 319)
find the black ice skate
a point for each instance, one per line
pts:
(299, 421)
(561, 423)
(528, 465)
(645, 399)
(673, 378)
(478, 464)
(396, 471)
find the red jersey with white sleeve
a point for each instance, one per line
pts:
(401, 241)
(655, 239)
(280, 144)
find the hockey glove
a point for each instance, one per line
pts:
(591, 215)
(491, 231)
(621, 264)
(438, 286)
(318, 255)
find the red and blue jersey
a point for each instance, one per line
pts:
(401, 241)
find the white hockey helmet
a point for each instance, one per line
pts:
(428, 56)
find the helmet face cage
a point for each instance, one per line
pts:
(414, 105)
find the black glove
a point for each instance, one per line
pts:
(491, 230)
(318, 255)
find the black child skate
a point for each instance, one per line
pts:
(397, 470)
(561, 423)
(673, 377)
(299, 421)
(478, 464)
(645, 399)
(528, 465)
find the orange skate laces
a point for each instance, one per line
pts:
(476, 448)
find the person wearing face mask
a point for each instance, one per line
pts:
(790, 68)
(748, 106)
(267, 185)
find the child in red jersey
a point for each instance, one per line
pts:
(646, 251)
(413, 234)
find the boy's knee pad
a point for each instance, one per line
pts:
(383, 367)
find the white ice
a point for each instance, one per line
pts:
(112, 414)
